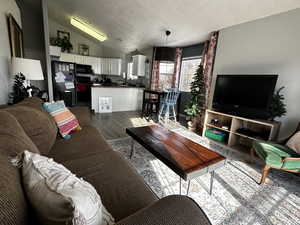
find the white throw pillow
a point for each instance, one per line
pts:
(58, 196)
(294, 142)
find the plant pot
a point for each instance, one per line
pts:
(192, 125)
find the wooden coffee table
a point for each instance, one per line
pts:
(186, 158)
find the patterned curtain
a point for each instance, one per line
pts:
(208, 59)
(155, 75)
(177, 67)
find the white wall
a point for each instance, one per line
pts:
(96, 48)
(266, 46)
(6, 6)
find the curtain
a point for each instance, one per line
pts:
(157, 83)
(208, 59)
(177, 67)
(155, 75)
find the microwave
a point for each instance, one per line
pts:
(84, 69)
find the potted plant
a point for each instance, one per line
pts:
(64, 43)
(277, 107)
(195, 107)
(19, 91)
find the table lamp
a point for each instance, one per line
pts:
(30, 68)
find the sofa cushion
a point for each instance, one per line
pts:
(171, 210)
(122, 190)
(13, 138)
(83, 114)
(36, 103)
(64, 119)
(14, 209)
(58, 196)
(83, 143)
(38, 127)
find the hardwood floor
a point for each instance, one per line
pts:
(113, 125)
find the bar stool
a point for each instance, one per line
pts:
(168, 105)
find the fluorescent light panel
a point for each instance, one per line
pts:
(88, 29)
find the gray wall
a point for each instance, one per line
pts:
(266, 46)
(33, 35)
(7, 6)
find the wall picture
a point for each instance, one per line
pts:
(83, 49)
(15, 37)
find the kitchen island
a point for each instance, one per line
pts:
(124, 98)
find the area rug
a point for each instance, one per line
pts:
(237, 198)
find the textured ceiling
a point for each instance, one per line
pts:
(138, 24)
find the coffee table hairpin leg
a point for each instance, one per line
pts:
(188, 188)
(212, 176)
(179, 185)
(132, 149)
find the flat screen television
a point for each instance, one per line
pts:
(244, 95)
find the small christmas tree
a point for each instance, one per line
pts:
(19, 90)
(277, 107)
(197, 102)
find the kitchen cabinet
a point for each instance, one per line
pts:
(111, 66)
(106, 66)
(55, 51)
(66, 57)
(139, 65)
(94, 62)
(80, 59)
(115, 66)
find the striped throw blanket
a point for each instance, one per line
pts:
(65, 120)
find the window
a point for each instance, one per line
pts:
(129, 71)
(189, 67)
(166, 71)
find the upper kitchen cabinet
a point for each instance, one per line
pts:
(66, 57)
(111, 66)
(106, 66)
(94, 62)
(139, 65)
(115, 66)
(80, 59)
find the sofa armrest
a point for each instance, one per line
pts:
(171, 210)
(83, 114)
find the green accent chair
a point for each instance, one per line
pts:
(277, 156)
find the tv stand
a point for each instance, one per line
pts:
(260, 129)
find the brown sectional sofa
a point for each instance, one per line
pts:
(123, 192)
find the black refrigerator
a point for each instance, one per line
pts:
(64, 82)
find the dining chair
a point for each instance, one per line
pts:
(168, 105)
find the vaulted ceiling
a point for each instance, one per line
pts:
(138, 24)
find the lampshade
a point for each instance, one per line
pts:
(30, 68)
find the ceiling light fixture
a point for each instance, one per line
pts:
(88, 29)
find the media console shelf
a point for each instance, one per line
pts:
(235, 138)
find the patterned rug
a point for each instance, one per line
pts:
(236, 198)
